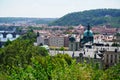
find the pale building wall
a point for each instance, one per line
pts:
(74, 46)
(40, 40)
(56, 41)
(111, 58)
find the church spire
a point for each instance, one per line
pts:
(88, 27)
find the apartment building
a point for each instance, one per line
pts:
(111, 58)
(56, 41)
(66, 41)
(104, 37)
(76, 44)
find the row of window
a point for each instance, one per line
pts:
(111, 58)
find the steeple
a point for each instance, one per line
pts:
(88, 27)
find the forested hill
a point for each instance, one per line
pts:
(94, 17)
(26, 20)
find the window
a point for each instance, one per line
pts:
(111, 58)
(107, 58)
(72, 46)
(116, 58)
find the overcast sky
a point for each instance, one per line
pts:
(51, 8)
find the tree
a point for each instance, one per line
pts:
(7, 43)
(42, 51)
(62, 49)
(115, 44)
(113, 73)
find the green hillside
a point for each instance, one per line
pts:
(26, 20)
(94, 17)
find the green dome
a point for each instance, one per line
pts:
(88, 33)
(87, 36)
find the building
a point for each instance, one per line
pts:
(66, 41)
(74, 43)
(118, 37)
(56, 41)
(118, 30)
(79, 29)
(111, 58)
(40, 40)
(46, 40)
(87, 36)
(103, 38)
(104, 30)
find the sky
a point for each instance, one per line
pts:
(51, 8)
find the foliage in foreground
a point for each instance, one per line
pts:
(20, 60)
(59, 67)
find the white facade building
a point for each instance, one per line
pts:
(40, 40)
(111, 58)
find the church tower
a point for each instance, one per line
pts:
(87, 36)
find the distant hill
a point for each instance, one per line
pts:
(94, 17)
(26, 20)
(44, 20)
